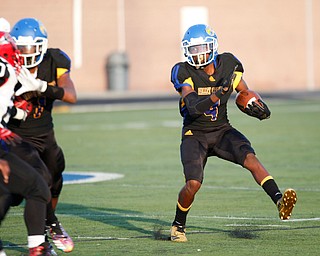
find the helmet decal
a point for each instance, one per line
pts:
(209, 31)
(42, 29)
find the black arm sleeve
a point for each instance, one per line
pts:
(197, 106)
(54, 92)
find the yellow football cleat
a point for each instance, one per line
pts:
(178, 234)
(286, 203)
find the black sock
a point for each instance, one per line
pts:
(271, 188)
(51, 217)
(181, 217)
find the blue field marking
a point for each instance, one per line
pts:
(72, 177)
(88, 177)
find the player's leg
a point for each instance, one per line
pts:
(185, 197)
(286, 201)
(55, 162)
(27, 183)
(5, 200)
(27, 151)
(242, 153)
(193, 157)
(54, 159)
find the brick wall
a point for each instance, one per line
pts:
(279, 49)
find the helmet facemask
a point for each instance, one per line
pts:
(32, 50)
(200, 52)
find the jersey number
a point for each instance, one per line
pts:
(213, 111)
(38, 110)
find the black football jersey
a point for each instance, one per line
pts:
(54, 64)
(183, 74)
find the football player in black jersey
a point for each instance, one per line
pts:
(49, 71)
(205, 82)
(17, 178)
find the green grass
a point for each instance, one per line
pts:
(231, 214)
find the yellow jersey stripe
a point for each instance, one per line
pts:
(61, 71)
(237, 79)
(189, 81)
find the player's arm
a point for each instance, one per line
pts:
(184, 85)
(198, 105)
(65, 90)
(65, 82)
(242, 86)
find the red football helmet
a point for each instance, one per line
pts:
(9, 51)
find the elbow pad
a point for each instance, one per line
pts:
(197, 106)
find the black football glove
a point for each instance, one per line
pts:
(260, 111)
(227, 84)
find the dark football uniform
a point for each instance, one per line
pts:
(205, 82)
(24, 182)
(45, 73)
(39, 147)
(185, 74)
(211, 129)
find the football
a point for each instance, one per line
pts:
(246, 97)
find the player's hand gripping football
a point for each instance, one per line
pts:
(259, 110)
(9, 137)
(29, 82)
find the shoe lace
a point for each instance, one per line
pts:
(56, 229)
(181, 229)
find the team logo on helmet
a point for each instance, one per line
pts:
(209, 31)
(42, 29)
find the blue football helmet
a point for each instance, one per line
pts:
(198, 41)
(31, 39)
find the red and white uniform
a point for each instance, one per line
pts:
(8, 81)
